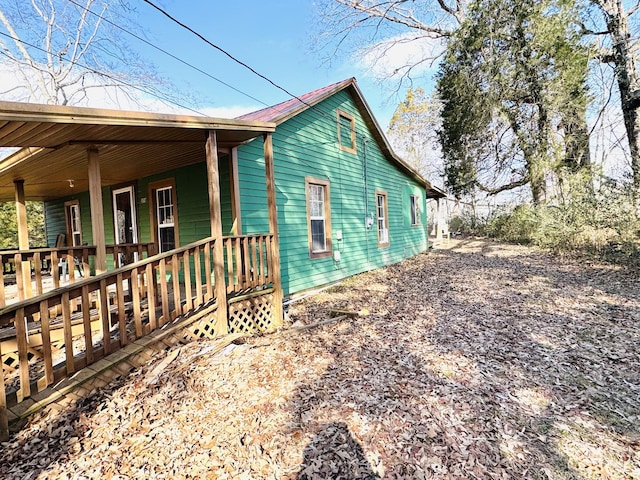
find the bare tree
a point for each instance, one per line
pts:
(378, 29)
(61, 50)
(622, 51)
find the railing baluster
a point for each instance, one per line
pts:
(4, 418)
(23, 354)
(186, 263)
(254, 266)
(269, 260)
(86, 321)
(19, 279)
(239, 272)
(198, 272)
(207, 270)
(228, 243)
(37, 265)
(122, 318)
(68, 334)
(55, 266)
(135, 298)
(164, 292)
(86, 269)
(262, 259)
(46, 341)
(151, 296)
(2, 293)
(104, 317)
(175, 276)
(247, 267)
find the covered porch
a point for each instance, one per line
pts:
(74, 302)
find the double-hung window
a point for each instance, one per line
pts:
(383, 218)
(166, 219)
(415, 209)
(318, 217)
(74, 224)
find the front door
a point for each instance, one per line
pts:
(124, 220)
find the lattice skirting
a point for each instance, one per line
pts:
(252, 315)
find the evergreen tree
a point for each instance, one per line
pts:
(513, 86)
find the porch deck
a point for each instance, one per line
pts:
(49, 337)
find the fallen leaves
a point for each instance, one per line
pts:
(483, 361)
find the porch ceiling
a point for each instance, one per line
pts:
(131, 145)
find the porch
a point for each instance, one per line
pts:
(65, 308)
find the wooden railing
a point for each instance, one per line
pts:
(248, 262)
(57, 264)
(50, 336)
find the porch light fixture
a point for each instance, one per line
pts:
(71, 183)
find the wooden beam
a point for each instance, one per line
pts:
(97, 213)
(23, 235)
(215, 216)
(273, 229)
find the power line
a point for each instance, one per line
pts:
(184, 62)
(220, 49)
(102, 74)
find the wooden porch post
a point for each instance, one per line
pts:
(213, 180)
(97, 213)
(438, 221)
(23, 239)
(273, 229)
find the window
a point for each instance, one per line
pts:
(415, 210)
(383, 222)
(166, 226)
(318, 217)
(164, 214)
(346, 132)
(74, 223)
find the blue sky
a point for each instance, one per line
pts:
(273, 37)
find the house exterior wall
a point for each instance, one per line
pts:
(307, 146)
(192, 206)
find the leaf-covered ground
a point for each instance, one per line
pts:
(479, 361)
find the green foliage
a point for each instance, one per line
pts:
(513, 77)
(9, 225)
(596, 221)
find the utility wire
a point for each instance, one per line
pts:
(102, 74)
(220, 49)
(184, 62)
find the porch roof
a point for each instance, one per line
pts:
(53, 143)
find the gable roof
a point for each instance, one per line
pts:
(282, 112)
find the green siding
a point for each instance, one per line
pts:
(307, 146)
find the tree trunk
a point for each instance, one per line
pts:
(623, 56)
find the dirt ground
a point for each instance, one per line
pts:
(481, 360)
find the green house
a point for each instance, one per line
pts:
(346, 202)
(192, 224)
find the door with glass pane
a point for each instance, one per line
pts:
(124, 221)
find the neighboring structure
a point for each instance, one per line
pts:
(154, 218)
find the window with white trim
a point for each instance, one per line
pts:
(382, 217)
(165, 219)
(74, 223)
(415, 209)
(318, 217)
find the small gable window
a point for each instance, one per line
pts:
(346, 132)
